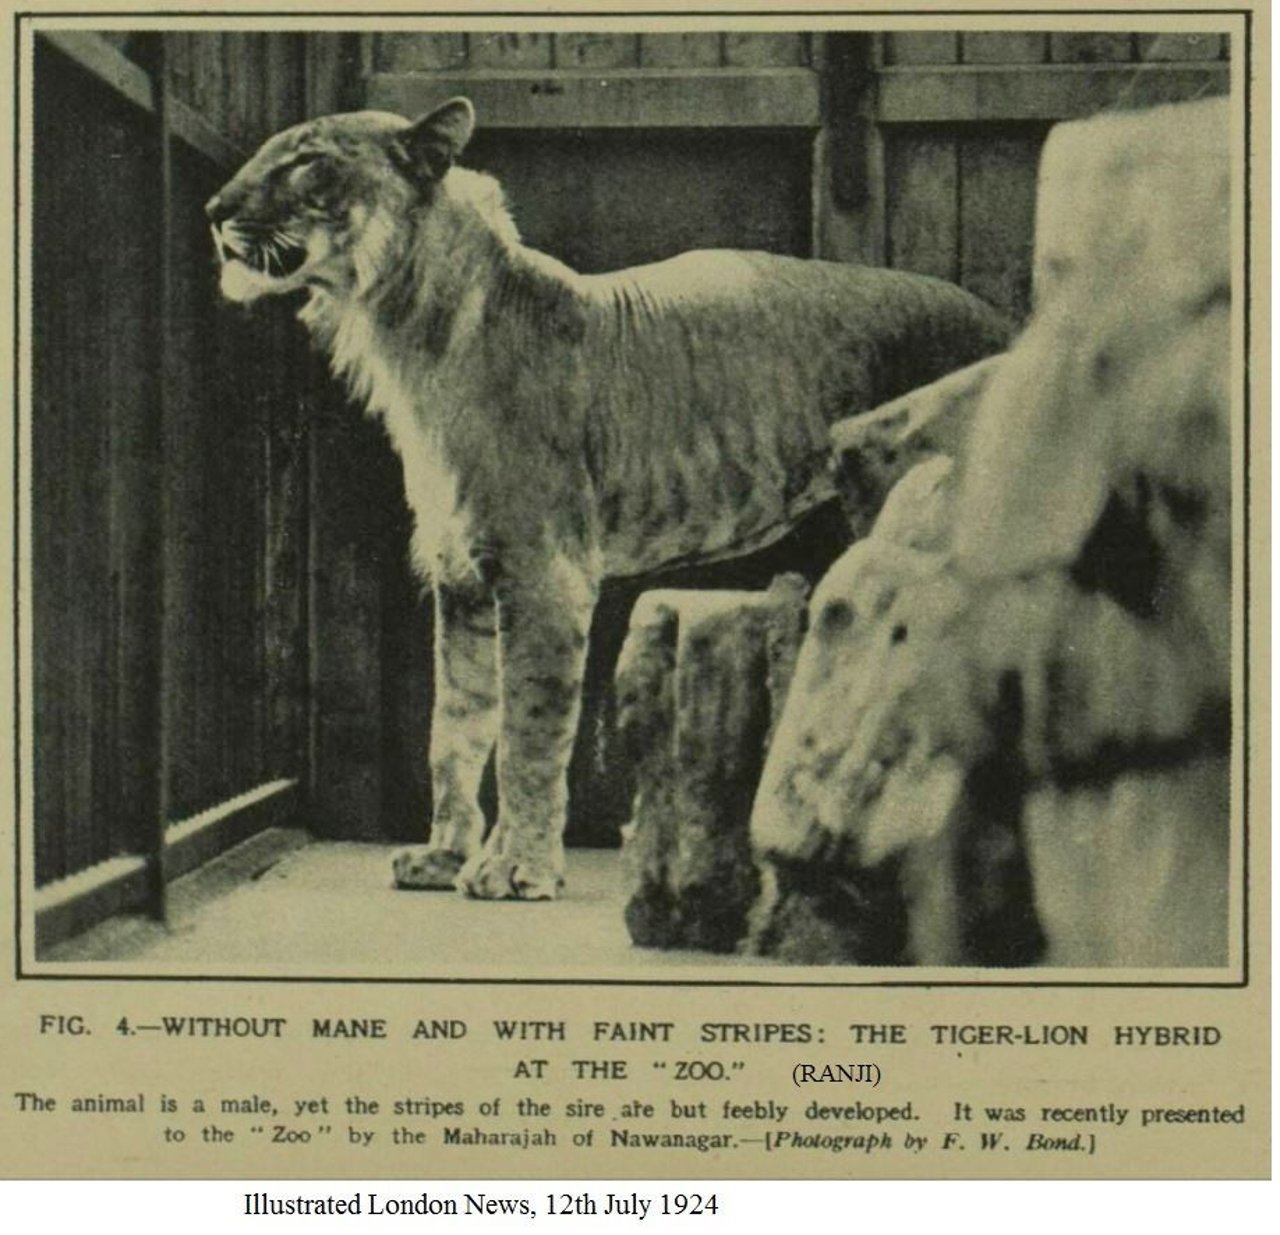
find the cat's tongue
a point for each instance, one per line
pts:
(240, 282)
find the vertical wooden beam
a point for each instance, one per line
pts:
(997, 215)
(761, 51)
(676, 51)
(157, 876)
(848, 195)
(1093, 48)
(933, 47)
(510, 51)
(1180, 46)
(352, 483)
(418, 53)
(209, 78)
(1004, 47)
(286, 452)
(923, 186)
(152, 826)
(333, 72)
(310, 601)
(349, 463)
(179, 60)
(324, 87)
(604, 50)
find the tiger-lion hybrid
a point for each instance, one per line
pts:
(556, 428)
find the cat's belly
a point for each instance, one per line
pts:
(661, 535)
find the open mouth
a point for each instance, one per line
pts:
(265, 250)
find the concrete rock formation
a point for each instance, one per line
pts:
(1009, 734)
(701, 680)
(875, 450)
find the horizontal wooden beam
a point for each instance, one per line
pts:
(613, 99)
(936, 94)
(131, 82)
(194, 841)
(119, 885)
(66, 908)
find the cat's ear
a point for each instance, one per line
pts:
(431, 144)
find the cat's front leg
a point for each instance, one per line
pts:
(464, 728)
(544, 616)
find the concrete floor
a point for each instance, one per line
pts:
(285, 904)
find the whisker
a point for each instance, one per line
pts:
(267, 247)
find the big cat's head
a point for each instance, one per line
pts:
(319, 205)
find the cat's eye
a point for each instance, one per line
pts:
(300, 164)
(311, 195)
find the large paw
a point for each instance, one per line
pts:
(497, 877)
(424, 867)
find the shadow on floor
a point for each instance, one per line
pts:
(285, 904)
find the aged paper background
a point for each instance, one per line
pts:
(711, 1049)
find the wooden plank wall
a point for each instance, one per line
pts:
(1031, 47)
(602, 201)
(94, 387)
(959, 195)
(371, 661)
(303, 645)
(235, 506)
(416, 53)
(171, 451)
